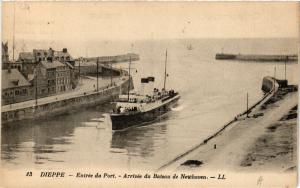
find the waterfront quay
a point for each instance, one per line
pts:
(85, 96)
(47, 82)
(231, 146)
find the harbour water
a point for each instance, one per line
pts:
(212, 93)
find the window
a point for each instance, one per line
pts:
(17, 92)
(25, 91)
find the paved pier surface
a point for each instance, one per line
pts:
(227, 150)
(86, 86)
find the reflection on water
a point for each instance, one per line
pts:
(35, 138)
(134, 142)
(212, 92)
(38, 139)
(49, 141)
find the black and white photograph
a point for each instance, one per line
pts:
(141, 93)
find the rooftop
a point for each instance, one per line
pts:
(26, 56)
(44, 53)
(53, 64)
(13, 78)
(61, 53)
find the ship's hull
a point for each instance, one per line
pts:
(125, 121)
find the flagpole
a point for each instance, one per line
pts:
(165, 77)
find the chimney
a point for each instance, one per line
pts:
(51, 52)
(151, 85)
(65, 50)
(144, 82)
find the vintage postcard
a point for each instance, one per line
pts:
(149, 94)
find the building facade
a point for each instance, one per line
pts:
(63, 78)
(15, 87)
(5, 56)
(62, 56)
(37, 75)
(52, 77)
(28, 63)
(29, 60)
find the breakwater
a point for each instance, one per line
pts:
(114, 59)
(239, 116)
(257, 57)
(56, 107)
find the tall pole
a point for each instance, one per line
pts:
(165, 77)
(111, 72)
(79, 69)
(97, 75)
(287, 57)
(36, 90)
(14, 24)
(274, 78)
(129, 68)
(247, 104)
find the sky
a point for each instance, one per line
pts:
(98, 21)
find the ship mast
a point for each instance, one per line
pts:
(165, 77)
(129, 68)
(97, 74)
(14, 24)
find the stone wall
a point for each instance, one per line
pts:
(62, 106)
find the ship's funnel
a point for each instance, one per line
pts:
(144, 82)
(150, 85)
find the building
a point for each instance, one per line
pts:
(5, 56)
(5, 59)
(52, 77)
(15, 87)
(62, 75)
(39, 81)
(13, 65)
(29, 60)
(62, 56)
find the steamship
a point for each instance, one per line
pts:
(137, 109)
